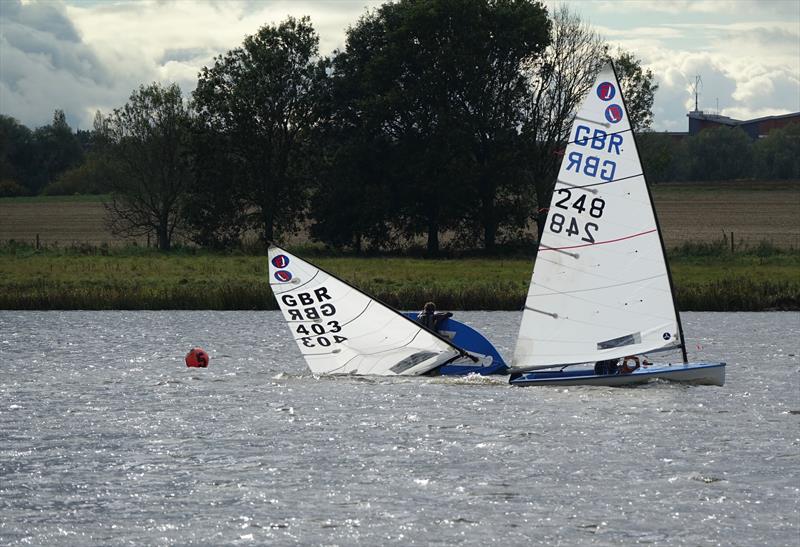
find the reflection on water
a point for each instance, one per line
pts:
(107, 438)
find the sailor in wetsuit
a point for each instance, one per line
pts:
(431, 318)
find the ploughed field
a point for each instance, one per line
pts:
(696, 212)
(752, 211)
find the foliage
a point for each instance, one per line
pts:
(435, 88)
(777, 156)
(261, 100)
(17, 157)
(719, 153)
(90, 177)
(639, 89)
(57, 150)
(31, 160)
(559, 81)
(148, 154)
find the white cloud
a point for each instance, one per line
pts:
(84, 56)
(87, 56)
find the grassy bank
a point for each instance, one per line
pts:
(707, 277)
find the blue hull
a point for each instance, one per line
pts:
(471, 340)
(690, 373)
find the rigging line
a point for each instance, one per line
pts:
(297, 287)
(602, 287)
(546, 248)
(580, 187)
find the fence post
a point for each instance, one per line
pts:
(37, 242)
(731, 242)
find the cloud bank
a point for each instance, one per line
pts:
(90, 55)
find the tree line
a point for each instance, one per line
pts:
(442, 116)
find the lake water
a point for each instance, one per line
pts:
(106, 438)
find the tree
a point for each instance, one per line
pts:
(719, 153)
(777, 156)
(261, 99)
(148, 151)
(17, 158)
(439, 84)
(559, 81)
(57, 150)
(639, 89)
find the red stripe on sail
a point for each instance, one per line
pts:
(598, 242)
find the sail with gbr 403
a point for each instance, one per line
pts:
(341, 330)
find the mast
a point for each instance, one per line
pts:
(658, 224)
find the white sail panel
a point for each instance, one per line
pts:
(600, 287)
(341, 330)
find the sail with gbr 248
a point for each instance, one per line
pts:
(600, 287)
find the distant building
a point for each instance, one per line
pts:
(756, 129)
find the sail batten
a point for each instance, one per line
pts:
(600, 288)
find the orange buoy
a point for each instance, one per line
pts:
(197, 358)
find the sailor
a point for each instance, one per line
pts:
(610, 366)
(431, 318)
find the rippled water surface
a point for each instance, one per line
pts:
(106, 438)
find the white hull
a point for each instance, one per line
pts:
(712, 374)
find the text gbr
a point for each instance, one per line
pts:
(320, 332)
(589, 165)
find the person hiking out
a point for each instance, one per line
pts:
(431, 318)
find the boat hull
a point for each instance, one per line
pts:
(712, 374)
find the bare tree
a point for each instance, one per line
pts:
(559, 81)
(151, 175)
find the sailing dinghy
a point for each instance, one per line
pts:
(341, 330)
(601, 289)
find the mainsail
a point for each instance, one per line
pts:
(600, 287)
(341, 330)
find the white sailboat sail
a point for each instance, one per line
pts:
(600, 287)
(341, 330)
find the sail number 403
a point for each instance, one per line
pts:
(316, 332)
(570, 225)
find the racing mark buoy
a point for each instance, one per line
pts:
(197, 358)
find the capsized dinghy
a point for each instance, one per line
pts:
(341, 330)
(601, 289)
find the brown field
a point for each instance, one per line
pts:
(752, 211)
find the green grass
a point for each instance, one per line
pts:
(78, 198)
(135, 278)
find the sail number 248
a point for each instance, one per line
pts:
(568, 224)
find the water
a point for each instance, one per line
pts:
(106, 438)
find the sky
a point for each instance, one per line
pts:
(87, 55)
